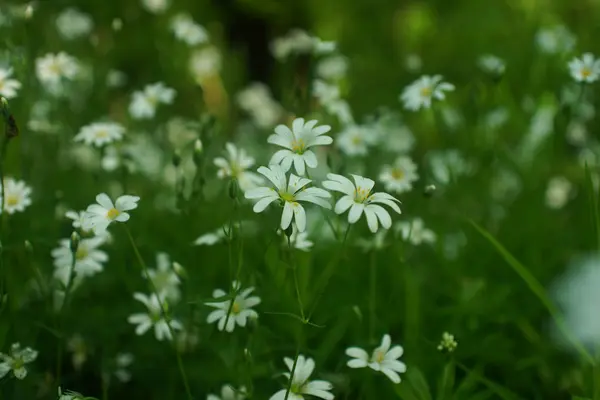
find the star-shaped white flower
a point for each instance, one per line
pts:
(8, 87)
(16, 361)
(585, 69)
(99, 216)
(358, 199)
(154, 317)
(165, 279)
(400, 176)
(383, 359)
(289, 194)
(231, 314)
(415, 232)
(236, 166)
(144, 103)
(100, 133)
(89, 259)
(297, 142)
(228, 393)
(420, 93)
(301, 386)
(18, 196)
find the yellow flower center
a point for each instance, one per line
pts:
(426, 91)
(113, 213)
(378, 356)
(54, 67)
(236, 308)
(101, 134)
(288, 197)
(298, 146)
(356, 140)
(586, 72)
(397, 173)
(81, 253)
(361, 195)
(12, 200)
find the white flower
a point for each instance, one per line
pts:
(156, 6)
(585, 69)
(421, 92)
(78, 346)
(333, 67)
(290, 195)
(100, 133)
(154, 318)
(399, 177)
(51, 69)
(415, 232)
(236, 166)
(73, 24)
(383, 359)
(144, 103)
(355, 140)
(556, 39)
(186, 30)
(491, 64)
(165, 279)
(298, 240)
(297, 142)
(16, 361)
(89, 259)
(358, 199)
(236, 313)
(205, 63)
(77, 216)
(300, 384)
(18, 196)
(558, 192)
(99, 216)
(448, 165)
(115, 78)
(296, 41)
(257, 101)
(211, 238)
(122, 363)
(8, 87)
(228, 393)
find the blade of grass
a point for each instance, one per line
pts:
(501, 391)
(593, 204)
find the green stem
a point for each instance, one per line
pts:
(289, 388)
(372, 294)
(295, 273)
(163, 311)
(61, 314)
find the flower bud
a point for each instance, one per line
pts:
(429, 190)
(74, 242)
(28, 247)
(179, 270)
(288, 231)
(198, 150)
(233, 189)
(28, 12)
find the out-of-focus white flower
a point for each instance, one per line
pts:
(144, 103)
(211, 238)
(99, 216)
(18, 195)
(188, 31)
(357, 198)
(227, 314)
(205, 63)
(448, 165)
(257, 101)
(325, 92)
(77, 345)
(496, 118)
(301, 385)
(156, 6)
(384, 359)
(413, 62)
(100, 133)
(491, 64)
(421, 92)
(89, 259)
(558, 192)
(298, 240)
(355, 140)
(228, 393)
(154, 318)
(122, 363)
(297, 143)
(585, 69)
(400, 176)
(416, 232)
(52, 69)
(115, 78)
(16, 360)
(577, 133)
(236, 166)
(296, 41)
(165, 279)
(540, 129)
(73, 24)
(8, 86)
(290, 193)
(554, 40)
(332, 68)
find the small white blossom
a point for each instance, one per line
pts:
(165, 279)
(144, 103)
(73, 24)
(227, 314)
(205, 63)
(16, 360)
(236, 166)
(17, 195)
(100, 133)
(447, 165)
(228, 393)
(52, 69)
(420, 93)
(301, 385)
(8, 87)
(332, 68)
(491, 64)
(122, 363)
(89, 259)
(296, 41)
(257, 101)
(154, 318)
(290, 193)
(585, 69)
(156, 6)
(99, 216)
(400, 176)
(556, 39)
(78, 346)
(448, 343)
(416, 232)
(211, 238)
(357, 198)
(297, 142)
(298, 240)
(355, 140)
(558, 192)
(188, 31)
(115, 78)
(384, 359)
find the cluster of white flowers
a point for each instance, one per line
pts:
(145, 102)
(73, 24)
(54, 70)
(185, 29)
(256, 100)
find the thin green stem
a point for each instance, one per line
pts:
(235, 290)
(289, 388)
(372, 294)
(163, 312)
(61, 339)
(295, 273)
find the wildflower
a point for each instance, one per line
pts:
(332, 68)
(51, 69)
(70, 395)
(165, 279)
(492, 65)
(301, 386)
(421, 92)
(205, 63)
(115, 78)
(558, 192)
(100, 133)
(585, 69)
(415, 232)
(156, 6)
(228, 393)
(211, 238)
(17, 195)
(448, 165)
(554, 40)
(99, 216)
(16, 361)
(297, 143)
(355, 140)
(358, 199)
(73, 24)
(77, 216)
(236, 313)
(448, 343)
(122, 363)
(290, 195)
(8, 87)
(374, 242)
(296, 41)
(144, 103)
(186, 30)
(383, 359)
(298, 240)
(399, 177)
(89, 259)
(236, 166)
(257, 101)
(154, 318)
